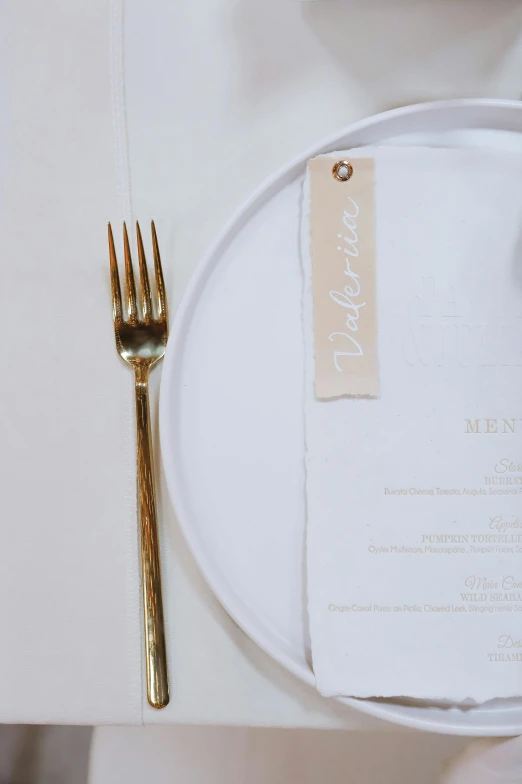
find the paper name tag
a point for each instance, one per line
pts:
(342, 244)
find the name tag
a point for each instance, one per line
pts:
(342, 243)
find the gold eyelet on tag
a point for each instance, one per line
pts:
(342, 171)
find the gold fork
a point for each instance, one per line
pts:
(140, 340)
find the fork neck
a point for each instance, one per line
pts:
(141, 373)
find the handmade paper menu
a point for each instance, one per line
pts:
(414, 485)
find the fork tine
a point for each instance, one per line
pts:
(144, 277)
(160, 283)
(115, 279)
(129, 277)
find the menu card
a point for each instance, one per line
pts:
(414, 491)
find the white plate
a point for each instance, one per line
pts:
(231, 413)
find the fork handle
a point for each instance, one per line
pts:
(155, 649)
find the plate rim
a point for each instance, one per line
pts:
(447, 719)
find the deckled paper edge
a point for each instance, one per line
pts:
(308, 349)
(306, 298)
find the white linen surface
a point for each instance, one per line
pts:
(69, 588)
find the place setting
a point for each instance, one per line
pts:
(262, 464)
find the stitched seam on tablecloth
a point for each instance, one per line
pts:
(124, 194)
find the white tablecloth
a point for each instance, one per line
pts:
(218, 94)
